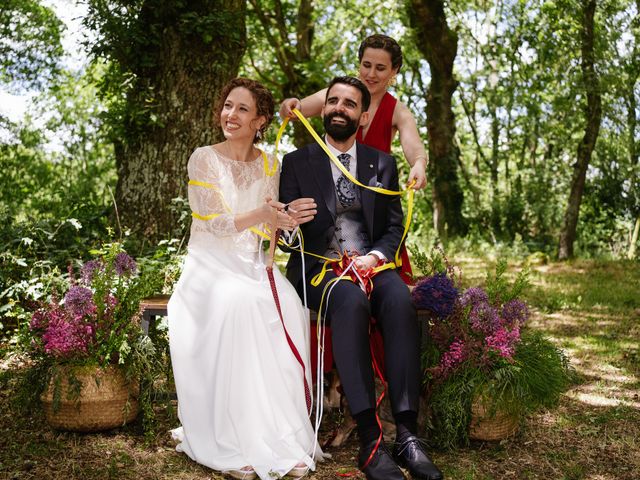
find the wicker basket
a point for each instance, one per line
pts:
(106, 400)
(490, 426)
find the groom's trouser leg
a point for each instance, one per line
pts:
(393, 309)
(349, 312)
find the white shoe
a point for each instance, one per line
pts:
(298, 471)
(246, 473)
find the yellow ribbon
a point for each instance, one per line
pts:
(410, 192)
(271, 170)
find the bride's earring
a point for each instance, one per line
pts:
(259, 134)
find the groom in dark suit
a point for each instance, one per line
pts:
(353, 219)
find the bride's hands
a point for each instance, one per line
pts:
(273, 213)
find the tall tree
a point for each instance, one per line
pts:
(592, 117)
(290, 33)
(30, 46)
(439, 44)
(168, 61)
(293, 46)
(633, 73)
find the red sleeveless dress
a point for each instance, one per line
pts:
(378, 136)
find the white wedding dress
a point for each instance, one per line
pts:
(241, 397)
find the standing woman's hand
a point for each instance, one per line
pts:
(419, 174)
(287, 106)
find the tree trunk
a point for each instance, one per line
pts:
(439, 45)
(634, 240)
(175, 95)
(632, 105)
(593, 114)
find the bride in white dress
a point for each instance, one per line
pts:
(241, 391)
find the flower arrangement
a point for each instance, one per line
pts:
(94, 325)
(97, 321)
(481, 348)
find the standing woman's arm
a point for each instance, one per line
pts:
(412, 144)
(310, 106)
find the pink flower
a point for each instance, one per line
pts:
(66, 336)
(503, 342)
(454, 356)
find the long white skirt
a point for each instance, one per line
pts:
(240, 389)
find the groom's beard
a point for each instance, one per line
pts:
(340, 132)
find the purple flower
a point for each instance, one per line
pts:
(484, 318)
(474, 296)
(437, 294)
(515, 312)
(79, 301)
(89, 270)
(124, 264)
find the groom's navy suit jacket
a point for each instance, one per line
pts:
(307, 173)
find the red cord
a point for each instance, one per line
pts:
(292, 346)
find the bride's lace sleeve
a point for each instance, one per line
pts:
(273, 181)
(210, 214)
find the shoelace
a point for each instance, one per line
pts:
(405, 444)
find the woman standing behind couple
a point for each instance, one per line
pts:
(241, 390)
(380, 60)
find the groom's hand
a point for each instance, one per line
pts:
(302, 210)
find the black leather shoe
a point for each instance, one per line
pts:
(410, 454)
(381, 466)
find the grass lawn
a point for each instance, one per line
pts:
(589, 308)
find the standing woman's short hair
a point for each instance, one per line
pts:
(387, 44)
(261, 95)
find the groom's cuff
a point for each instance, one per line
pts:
(379, 254)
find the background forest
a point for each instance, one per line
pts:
(529, 109)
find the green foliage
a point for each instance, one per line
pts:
(428, 263)
(132, 43)
(520, 119)
(500, 289)
(30, 44)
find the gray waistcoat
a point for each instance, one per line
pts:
(351, 232)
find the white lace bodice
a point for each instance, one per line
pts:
(228, 187)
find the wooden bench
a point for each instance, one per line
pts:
(156, 306)
(152, 308)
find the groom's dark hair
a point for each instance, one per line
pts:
(354, 82)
